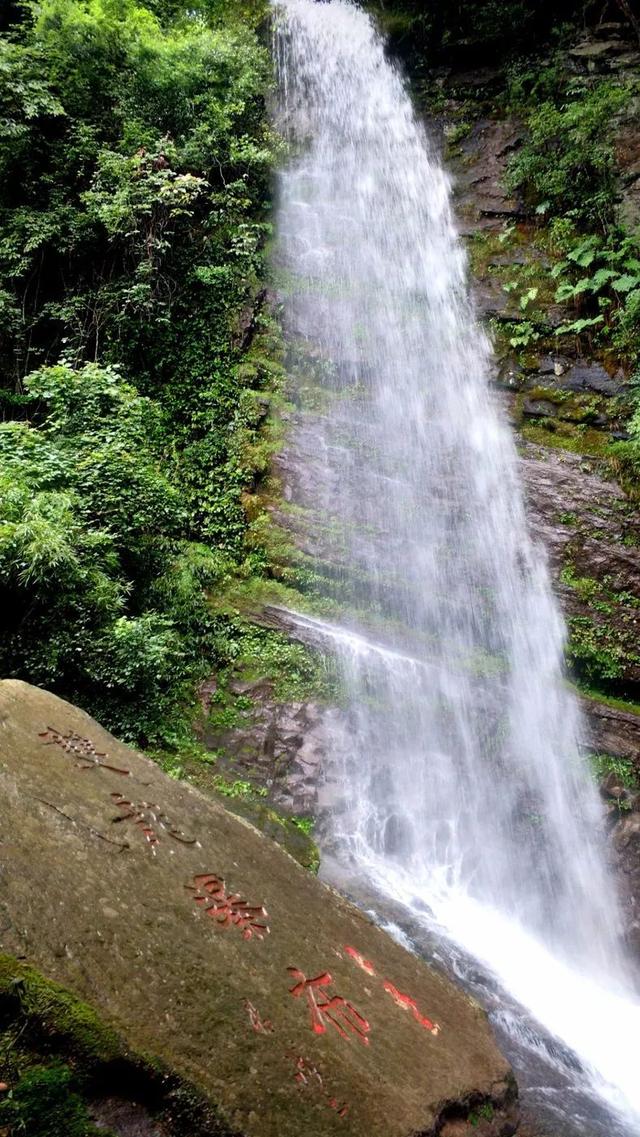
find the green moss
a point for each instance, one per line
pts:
(62, 1017)
(239, 788)
(486, 1112)
(43, 1103)
(56, 1056)
(566, 436)
(50, 1044)
(603, 644)
(243, 797)
(297, 673)
(594, 693)
(305, 824)
(549, 394)
(624, 458)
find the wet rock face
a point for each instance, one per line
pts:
(623, 806)
(557, 373)
(481, 200)
(612, 731)
(591, 535)
(208, 947)
(626, 844)
(590, 531)
(279, 746)
(628, 157)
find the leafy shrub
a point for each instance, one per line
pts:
(566, 164)
(102, 593)
(135, 159)
(594, 651)
(601, 279)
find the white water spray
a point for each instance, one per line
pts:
(464, 786)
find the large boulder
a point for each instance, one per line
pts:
(208, 947)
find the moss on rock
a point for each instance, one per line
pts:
(63, 1020)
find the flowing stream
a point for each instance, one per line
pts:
(461, 794)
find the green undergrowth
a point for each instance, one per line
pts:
(211, 766)
(567, 174)
(569, 267)
(296, 672)
(568, 272)
(599, 651)
(294, 834)
(624, 769)
(603, 644)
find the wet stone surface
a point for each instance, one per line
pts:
(279, 746)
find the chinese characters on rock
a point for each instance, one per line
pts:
(328, 1013)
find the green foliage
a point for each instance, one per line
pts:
(238, 788)
(486, 29)
(603, 643)
(521, 334)
(601, 279)
(305, 824)
(566, 164)
(485, 1112)
(625, 458)
(296, 672)
(566, 169)
(594, 651)
(623, 768)
(102, 594)
(135, 160)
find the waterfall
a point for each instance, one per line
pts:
(461, 787)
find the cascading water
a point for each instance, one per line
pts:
(463, 788)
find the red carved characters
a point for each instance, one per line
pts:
(150, 818)
(409, 1004)
(308, 1075)
(336, 1010)
(228, 909)
(83, 748)
(405, 1002)
(260, 1025)
(358, 958)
